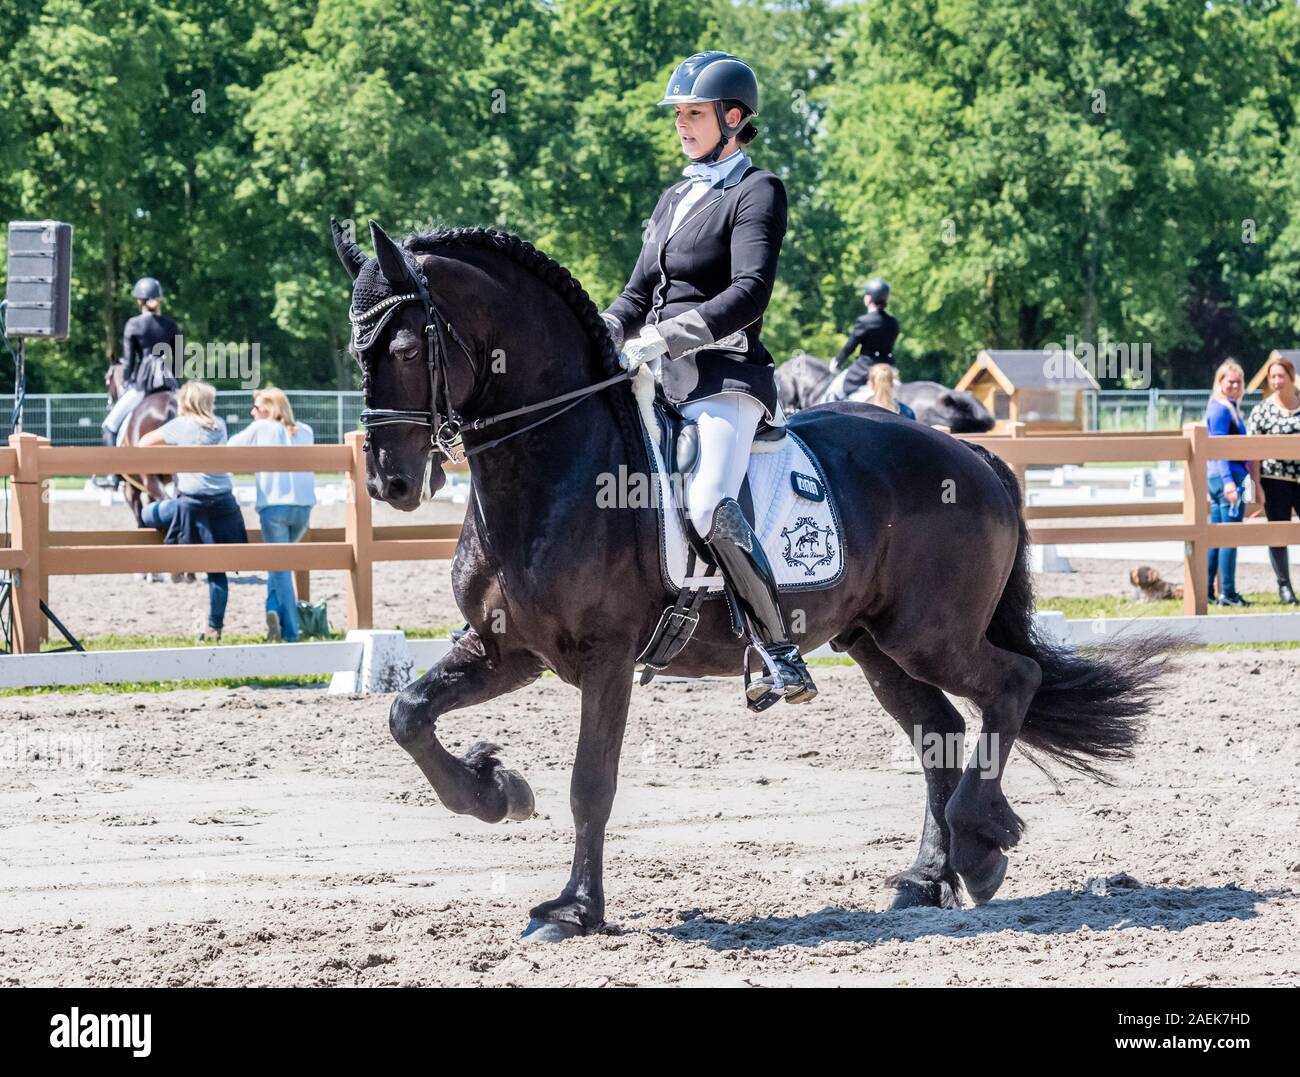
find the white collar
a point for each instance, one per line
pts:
(715, 173)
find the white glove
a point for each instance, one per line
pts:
(645, 347)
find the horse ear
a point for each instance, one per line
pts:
(391, 260)
(349, 253)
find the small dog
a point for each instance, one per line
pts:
(1150, 587)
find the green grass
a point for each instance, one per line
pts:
(305, 680)
(1083, 609)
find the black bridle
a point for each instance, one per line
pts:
(446, 425)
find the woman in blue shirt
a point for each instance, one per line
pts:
(1226, 477)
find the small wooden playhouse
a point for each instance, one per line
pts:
(1260, 380)
(1042, 389)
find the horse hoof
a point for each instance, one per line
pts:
(983, 886)
(520, 804)
(912, 894)
(549, 931)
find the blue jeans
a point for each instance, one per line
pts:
(283, 523)
(160, 514)
(1223, 561)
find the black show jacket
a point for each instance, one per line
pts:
(706, 286)
(875, 333)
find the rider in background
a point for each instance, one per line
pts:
(146, 370)
(875, 333)
(692, 309)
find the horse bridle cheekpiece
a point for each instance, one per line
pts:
(380, 287)
(375, 299)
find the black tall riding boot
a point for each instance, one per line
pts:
(1282, 570)
(749, 574)
(108, 482)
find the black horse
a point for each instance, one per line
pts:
(802, 379)
(936, 594)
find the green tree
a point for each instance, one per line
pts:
(1016, 200)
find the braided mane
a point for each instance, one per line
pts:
(542, 266)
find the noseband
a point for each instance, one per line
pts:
(445, 424)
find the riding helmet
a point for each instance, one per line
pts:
(714, 77)
(147, 288)
(878, 290)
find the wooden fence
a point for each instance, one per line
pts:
(1194, 449)
(35, 553)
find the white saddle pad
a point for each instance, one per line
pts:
(794, 513)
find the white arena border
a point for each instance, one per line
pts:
(350, 660)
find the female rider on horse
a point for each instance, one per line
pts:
(150, 362)
(693, 308)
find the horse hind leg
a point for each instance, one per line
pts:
(982, 824)
(930, 721)
(1002, 684)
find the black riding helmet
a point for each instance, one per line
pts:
(714, 77)
(878, 290)
(147, 288)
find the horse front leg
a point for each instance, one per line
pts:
(473, 784)
(580, 908)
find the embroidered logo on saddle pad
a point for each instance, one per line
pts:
(808, 545)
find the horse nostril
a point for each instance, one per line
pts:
(397, 486)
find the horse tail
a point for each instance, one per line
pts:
(1091, 704)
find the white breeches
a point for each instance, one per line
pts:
(125, 405)
(727, 423)
(835, 391)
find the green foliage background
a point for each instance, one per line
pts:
(1124, 170)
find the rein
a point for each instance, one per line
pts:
(446, 426)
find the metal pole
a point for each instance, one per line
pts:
(20, 384)
(338, 402)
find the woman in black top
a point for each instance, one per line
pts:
(1279, 413)
(693, 309)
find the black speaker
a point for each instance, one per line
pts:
(38, 293)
